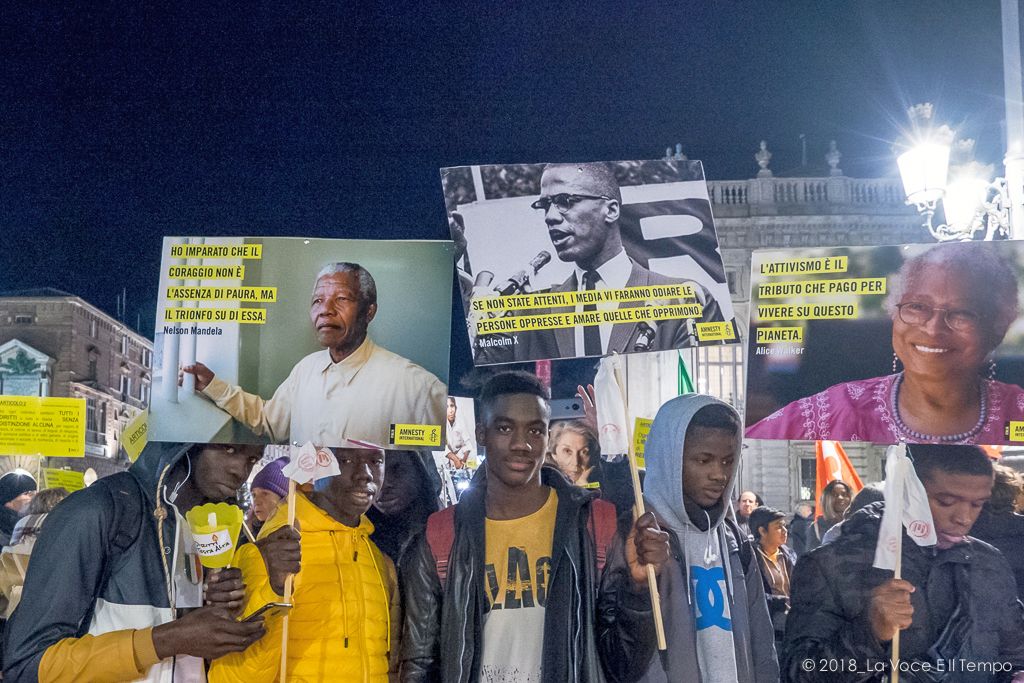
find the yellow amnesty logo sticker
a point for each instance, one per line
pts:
(135, 435)
(68, 479)
(641, 428)
(715, 331)
(1014, 431)
(46, 426)
(416, 435)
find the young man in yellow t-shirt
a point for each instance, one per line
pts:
(543, 608)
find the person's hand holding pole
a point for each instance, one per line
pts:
(646, 546)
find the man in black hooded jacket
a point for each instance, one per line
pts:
(956, 604)
(114, 564)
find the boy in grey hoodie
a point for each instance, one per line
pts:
(712, 596)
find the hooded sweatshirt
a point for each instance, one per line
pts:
(716, 617)
(106, 570)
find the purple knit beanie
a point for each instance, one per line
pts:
(271, 478)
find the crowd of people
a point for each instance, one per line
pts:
(539, 573)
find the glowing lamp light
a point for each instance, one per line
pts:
(923, 170)
(963, 198)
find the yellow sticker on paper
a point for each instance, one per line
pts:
(1014, 431)
(780, 335)
(67, 479)
(715, 331)
(799, 266)
(47, 426)
(257, 316)
(641, 428)
(415, 435)
(245, 251)
(135, 435)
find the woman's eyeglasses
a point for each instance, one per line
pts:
(958, 319)
(563, 201)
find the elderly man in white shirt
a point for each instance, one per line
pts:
(352, 389)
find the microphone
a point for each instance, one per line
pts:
(518, 282)
(645, 337)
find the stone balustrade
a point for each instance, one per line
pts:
(804, 196)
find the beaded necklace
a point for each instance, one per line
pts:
(948, 438)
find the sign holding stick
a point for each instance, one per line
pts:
(906, 506)
(611, 406)
(308, 463)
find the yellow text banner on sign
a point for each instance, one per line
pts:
(47, 426)
(254, 294)
(858, 285)
(780, 335)
(641, 428)
(550, 321)
(68, 479)
(415, 435)
(715, 331)
(593, 296)
(246, 251)
(256, 316)
(808, 266)
(769, 312)
(206, 272)
(135, 435)
(1014, 431)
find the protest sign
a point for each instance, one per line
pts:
(915, 343)
(44, 426)
(66, 479)
(265, 336)
(136, 435)
(586, 259)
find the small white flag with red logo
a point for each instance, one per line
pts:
(906, 506)
(309, 463)
(611, 411)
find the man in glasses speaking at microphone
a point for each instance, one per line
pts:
(581, 205)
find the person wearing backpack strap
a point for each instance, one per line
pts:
(712, 596)
(113, 572)
(523, 597)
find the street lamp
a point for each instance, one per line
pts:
(973, 206)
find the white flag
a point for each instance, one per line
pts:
(611, 411)
(906, 506)
(309, 463)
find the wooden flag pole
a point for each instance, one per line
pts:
(638, 510)
(248, 532)
(897, 574)
(287, 585)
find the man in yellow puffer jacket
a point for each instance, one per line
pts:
(345, 621)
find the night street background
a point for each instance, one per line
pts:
(120, 124)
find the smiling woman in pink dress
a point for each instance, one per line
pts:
(951, 307)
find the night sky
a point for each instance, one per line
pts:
(121, 124)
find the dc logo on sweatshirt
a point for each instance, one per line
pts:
(710, 602)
